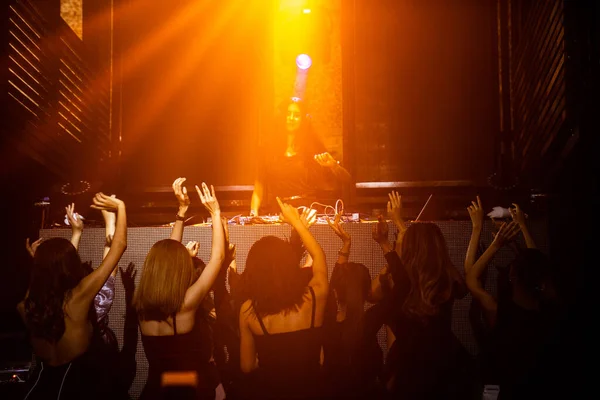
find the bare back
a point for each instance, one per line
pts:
(288, 322)
(74, 341)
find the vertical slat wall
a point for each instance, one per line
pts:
(59, 108)
(538, 79)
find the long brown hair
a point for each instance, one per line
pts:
(432, 276)
(168, 273)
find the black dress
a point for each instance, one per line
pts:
(189, 351)
(514, 348)
(426, 361)
(89, 376)
(289, 363)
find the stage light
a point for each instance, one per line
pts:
(306, 11)
(303, 61)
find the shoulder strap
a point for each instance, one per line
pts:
(174, 324)
(260, 321)
(314, 307)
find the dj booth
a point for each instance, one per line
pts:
(364, 250)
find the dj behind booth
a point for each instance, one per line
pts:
(294, 165)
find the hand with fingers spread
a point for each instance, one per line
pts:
(308, 217)
(338, 229)
(394, 209)
(192, 248)
(506, 233)
(182, 196)
(209, 200)
(74, 219)
(31, 248)
(103, 202)
(128, 279)
(476, 213)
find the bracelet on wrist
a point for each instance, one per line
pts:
(343, 253)
(179, 217)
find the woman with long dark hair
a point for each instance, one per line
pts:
(176, 333)
(348, 357)
(281, 316)
(426, 360)
(59, 314)
(293, 162)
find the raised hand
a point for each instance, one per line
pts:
(192, 248)
(506, 233)
(325, 160)
(394, 209)
(517, 214)
(128, 278)
(107, 203)
(208, 199)
(380, 230)
(308, 217)
(476, 213)
(229, 247)
(289, 213)
(31, 248)
(74, 219)
(181, 193)
(338, 229)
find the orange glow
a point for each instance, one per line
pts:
(313, 28)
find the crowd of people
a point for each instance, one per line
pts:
(282, 329)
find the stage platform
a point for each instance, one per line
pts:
(364, 250)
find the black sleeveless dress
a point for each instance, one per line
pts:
(189, 351)
(289, 362)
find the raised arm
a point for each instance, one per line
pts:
(184, 202)
(394, 209)
(292, 216)
(518, 216)
(380, 233)
(476, 213)
(76, 223)
(257, 196)
(473, 279)
(85, 291)
(110, 220)
(344, 252)
(196, 293)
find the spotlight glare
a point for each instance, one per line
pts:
(306, 11)
(303, 61)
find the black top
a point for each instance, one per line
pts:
(189, 351)
(427, 359)
(92, 375)
(289, 362)
(515, 346)
(298, 175)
